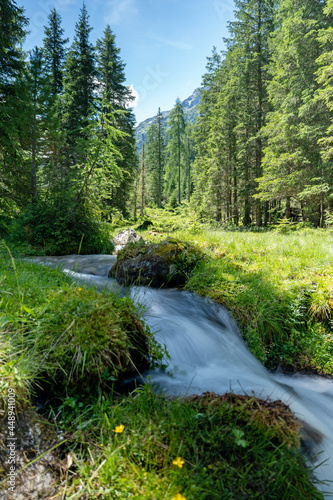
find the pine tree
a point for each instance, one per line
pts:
(55, 52)
(35, 72)
(12, 34)
(293, 168)
(232, 112)
(175, 162)
(79, 87)
(325, 80)
(250, 34)
(116, 97)
(156, 158)
(35, 98)
(207, 196)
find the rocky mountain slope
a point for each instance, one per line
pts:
(190, 106)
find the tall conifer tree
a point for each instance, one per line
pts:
(115, 98)
(156, 158)
(79, 86)
(293, 169)
(55, 51)
(12, 34)
(175, 162)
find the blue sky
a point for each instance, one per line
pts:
(164, 43)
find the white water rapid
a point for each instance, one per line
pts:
(207, 353)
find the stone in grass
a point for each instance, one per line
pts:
(124, 237)
(34, 437)
(166, 264)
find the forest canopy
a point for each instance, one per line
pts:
(260, 149)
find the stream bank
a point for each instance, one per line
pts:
(150, 432)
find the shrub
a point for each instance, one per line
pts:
(61, 230)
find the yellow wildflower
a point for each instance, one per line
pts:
(119, 429)
(178, 497)
(178, 461)
(79, 289)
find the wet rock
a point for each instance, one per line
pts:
(166, 264)
(90, 270)
(124, 237)
(34, 436)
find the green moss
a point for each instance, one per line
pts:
(167, 263)
(71, 337)
(81, 335)
(131, 250)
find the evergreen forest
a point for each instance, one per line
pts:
(233, 200)
(259, 151)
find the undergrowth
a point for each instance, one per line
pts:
(150, 447)
(59, 229)
(276, 282)
(66, 336)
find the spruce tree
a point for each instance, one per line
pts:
(175, 162)
(233, 110)
(115, 98)
(12, 34)
(325, 80)
(79, 87)
(55, 52)
(36, 63)
(156, 158)
(250, 34)
(293, 168)
(207, 196)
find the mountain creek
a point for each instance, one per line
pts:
(207, 353)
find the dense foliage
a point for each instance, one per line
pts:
(263, 135)
(67, 135)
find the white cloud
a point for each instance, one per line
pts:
(117, 10)
(60, 5)
(177, 44)
(135, 94)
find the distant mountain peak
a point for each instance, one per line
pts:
(190, 106)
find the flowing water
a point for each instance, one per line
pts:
(207, 353)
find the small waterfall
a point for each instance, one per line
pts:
(207, 353)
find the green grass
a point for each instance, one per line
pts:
(201, 448)
(277, 284)
(279, 287)
(65, 336)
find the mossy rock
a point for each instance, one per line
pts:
(88, 340)
(165, 264)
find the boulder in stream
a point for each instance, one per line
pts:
(166, 264)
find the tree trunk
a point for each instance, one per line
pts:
(288, 208)
(259, 121)
(33, 154)
(266, 214)
(142, 207)
(235, 198)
